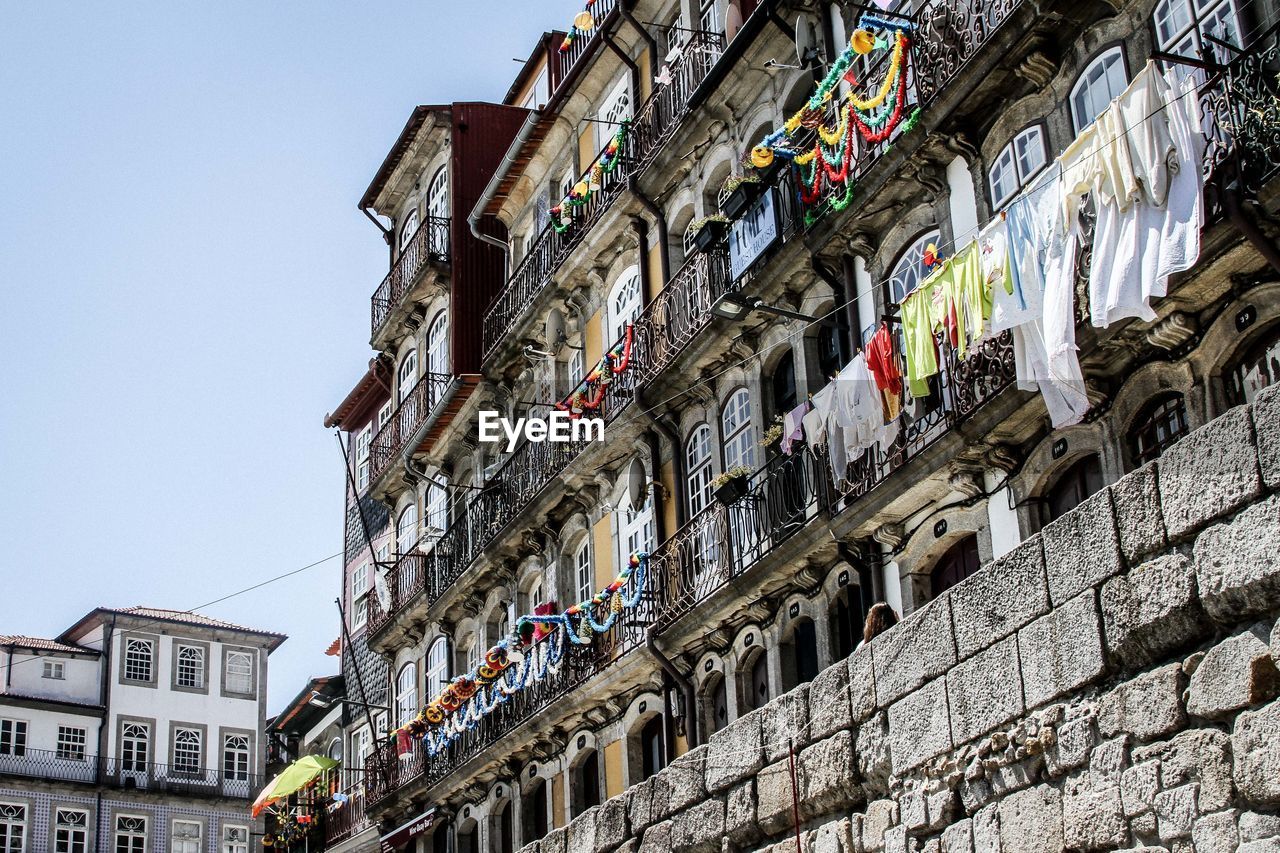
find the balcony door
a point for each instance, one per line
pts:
(438, 345)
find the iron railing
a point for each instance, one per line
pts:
(430, 243)
(948, 34)
(570, 56)
(348, 820)
(414, 410)
(1241, 105)
(130, 774)
(661, 114)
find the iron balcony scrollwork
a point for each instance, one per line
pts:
(414, 410)
(430, 243)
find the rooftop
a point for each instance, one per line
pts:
(184, 617)
(41, 644)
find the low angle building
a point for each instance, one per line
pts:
(136, 729)
(726, 229)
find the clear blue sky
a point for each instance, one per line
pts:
(184, 289)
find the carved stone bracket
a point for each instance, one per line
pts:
(1036, 68)
(1173, 332)
(890, 534)
(965, 479)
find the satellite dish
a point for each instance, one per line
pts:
(555, 329)
(381, 590)
(805, 49)
(637, 484)
(732, 21)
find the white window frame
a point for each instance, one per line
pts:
(55, 670)
(235, 838)
(68, 835)
(437, 499)
(626, 301)
(1106, 69)
(384, 414)
(127, 831)
(13, 827)
(438, 194)
(1011, 163)
(229, 674)
(615, 108)
(438, 345)
(636, 531)
(135, 746)
(359, 594)
(237, 757)
(13, 737)
(1183, 35)
(184, 842)
(364, 438)
(739, 433)
(191, 667)
(698, 465)
(409, 228)
(407, 375)
(584, 576)
(72, 743)
(407, 530)
(135, 663)
(406, 693)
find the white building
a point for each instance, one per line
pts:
(136, 729)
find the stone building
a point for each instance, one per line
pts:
(670, 729)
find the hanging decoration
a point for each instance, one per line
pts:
(591, 182)
(873, 118)
(534, 649)
(583, 23)
(613, 363)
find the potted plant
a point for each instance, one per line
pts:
(731, 486)
(740, 192)
(708, 231)
(772, 438)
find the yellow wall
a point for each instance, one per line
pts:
(646, 75)
(586, 147)
(669, 490)
(682, 745)
(603, 550)
(592, 341)
(613, 780)
(558, 812)
(655, 264)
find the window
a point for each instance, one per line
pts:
(438, 345)
(13, 828)
(583, 575)
(135, 747)
(739, 435)
(438, 503)
(235, 758)
(185, 837)
(615, 108)
(238, 677)
(708, 20)
(71, 743)
(70, 831)
(783, 384)
(697, 455)
(190, 667)
(636, 531)
(1157, 429)
(1097, 86)
(407, 530)
(188, 750)
(1078, 482)
(406, 694)
(384, 415)
(235, 839)
(438, 194)
(409, 228)
(960, 561)
(131, 834)
(138, 657)
(626, 300)
(800, 655)
(54, 669)
(1181, 26)
(359, 594)
(1020, 161)
(407, 377)
(362, 457)
(1258, 369)
(437, 675)
(652, 748)
(910, 270)
(585, 792)
(13, 737)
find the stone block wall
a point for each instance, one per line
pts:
(1110, 684)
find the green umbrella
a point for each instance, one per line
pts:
(294, 777)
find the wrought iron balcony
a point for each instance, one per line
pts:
(654, 124)
(415, 409)
(1243, 102)
(131, 775)
(429, 244)
(349, 820)
(679, 312)
(948, 34)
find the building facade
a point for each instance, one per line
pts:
(600, 215)
(136, 729)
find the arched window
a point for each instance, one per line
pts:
(717, 699)
(438, 194)
(783, 384)
(636, 531)
(438, 504)
(614, 108)
(584, 782)
(755, 692)
(909, 270)
(960, 561)
(626, 301)
(502, 836)
(1022, 159)
(846, 617)
(408, 228)
(335, 749)
(1181, 26)
(1097, 86)
(653, 751)
(584, 578)
(407, 376)
(406, 693)
(800, 655)
(1075, 484)
(533, 809)
(407, 530)
(437, 674)
(697, 456)
(438, 345)
(1162, 423)
(739, 435)
(1258, 369)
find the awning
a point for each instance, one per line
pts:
(402, 835)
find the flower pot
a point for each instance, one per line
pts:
(708, 235)
(733, 490)
(739, 201)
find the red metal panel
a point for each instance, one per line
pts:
(481, 135)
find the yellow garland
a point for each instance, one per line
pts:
(842, 126)
(889, 78)
(807, 157)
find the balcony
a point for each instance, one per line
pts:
(348, 821)
(653, 125)
(1242, 103)
(429, 245)
(415, 411)
(130, 775)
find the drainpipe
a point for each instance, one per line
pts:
(491, 190)
(1245, 225)
(685, 685)
(664, 250)
(652, 43)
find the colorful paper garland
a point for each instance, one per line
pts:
(580, 194)
(613, 363)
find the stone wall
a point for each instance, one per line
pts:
(1109, 684)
